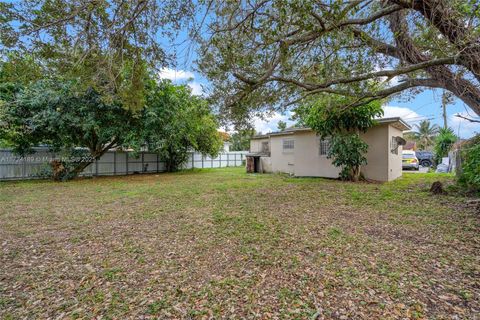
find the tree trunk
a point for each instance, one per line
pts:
(79, 168)
(355, 174)
(94, 155)
(58, 170)
(448, 80)
(444, 18)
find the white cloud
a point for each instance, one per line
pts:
(406, 114)
(462, 127)
(270, 123)
(176, 75)
(196, 88)
(182, 76)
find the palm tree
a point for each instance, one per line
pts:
(425, 134)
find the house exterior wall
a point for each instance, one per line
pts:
(266, 164)
(394, 160)
(256, 144)
(377, 155)
(282, 161)
(308, 161)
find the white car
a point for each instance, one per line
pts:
(409, 160)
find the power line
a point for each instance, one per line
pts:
(424, 105)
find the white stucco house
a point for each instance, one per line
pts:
(300, 152)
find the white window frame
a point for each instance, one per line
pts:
(326, 145)
(287, 142)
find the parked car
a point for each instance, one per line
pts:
(409, 160)
(425, 158)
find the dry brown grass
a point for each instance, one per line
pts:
(224, 244)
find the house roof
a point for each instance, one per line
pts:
(410, 145)
(258, 154)
(396, 122)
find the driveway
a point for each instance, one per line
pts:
(421, 170)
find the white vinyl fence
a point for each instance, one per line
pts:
(13, 167)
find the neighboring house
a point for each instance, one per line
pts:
(226, 146)
(411, 145)
(226, 141)
(300, 152)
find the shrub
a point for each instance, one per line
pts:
(347, 152)
(444, 141)
(470, 176)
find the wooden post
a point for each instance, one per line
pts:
(250, 165)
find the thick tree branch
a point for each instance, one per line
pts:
(371, 75)
(462, 88)
(366, 97)
(442, 15)
(312, 35)
(312, 86)
(376, 45)
(466, 118)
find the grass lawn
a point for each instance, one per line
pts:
(223, 244)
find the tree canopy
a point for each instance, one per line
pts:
(106, 45)
(270, 54)
(50, 113)
(176, 122)
(443, 143)
(54, 112)
(425, 134)
(281, 125)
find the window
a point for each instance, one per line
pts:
(288, 145)
(324, 147)
(394, 145)
(265, 147)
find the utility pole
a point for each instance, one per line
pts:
(447, 98)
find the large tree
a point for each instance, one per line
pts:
(176, 122)
(268, 54)
(49, 112)
(107, 45)
(83, 127)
